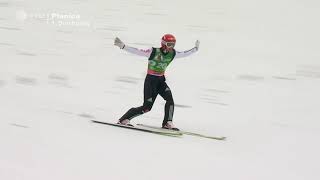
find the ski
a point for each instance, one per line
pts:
(185, 132)
(143, 129)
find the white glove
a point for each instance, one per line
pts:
(197, 44)
(119, 43)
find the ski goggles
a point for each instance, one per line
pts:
(168, 44)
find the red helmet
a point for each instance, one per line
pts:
(168, 41)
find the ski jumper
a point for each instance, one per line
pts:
(155, 81)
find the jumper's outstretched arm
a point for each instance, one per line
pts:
(147, 52)
(181, 54)
(132, 50)
(139, 52)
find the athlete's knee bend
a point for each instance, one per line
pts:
(146, 107)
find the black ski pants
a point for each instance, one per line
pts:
(153, 85)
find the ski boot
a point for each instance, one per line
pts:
(169, 125)
(125, 122)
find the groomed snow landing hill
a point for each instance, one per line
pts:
(255, 80)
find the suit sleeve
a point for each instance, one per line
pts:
(181, 54)
(139, 52)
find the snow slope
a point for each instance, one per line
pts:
(256, 80)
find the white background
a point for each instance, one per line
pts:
(255, 80)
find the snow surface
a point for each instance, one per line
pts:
(256, 80)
